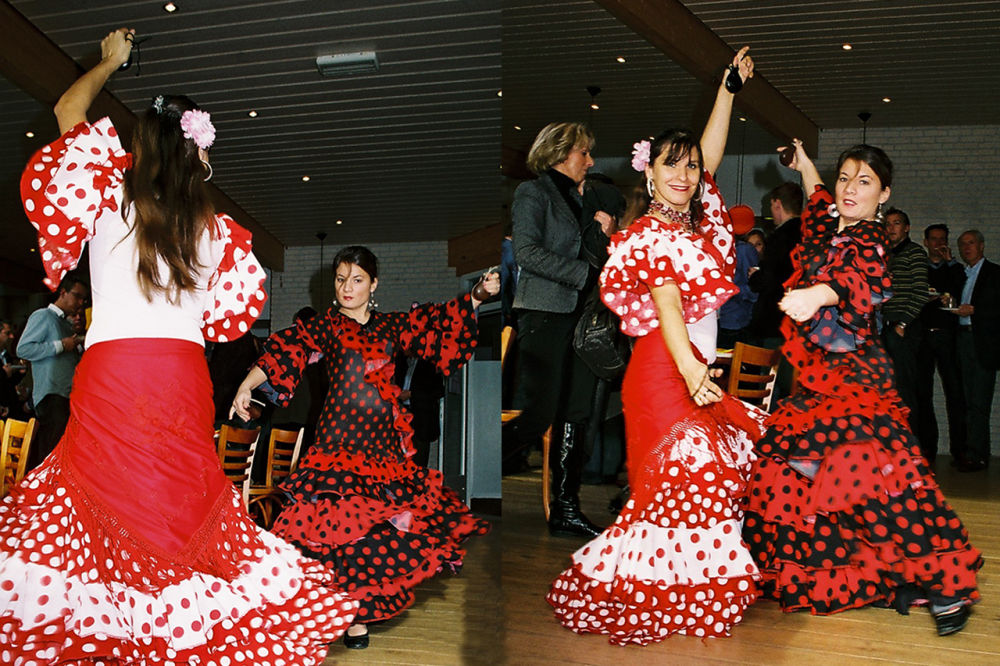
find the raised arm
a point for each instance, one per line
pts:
(805, 167)
(71, 109)
(713, 139)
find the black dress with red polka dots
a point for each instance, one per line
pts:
(358, 503)
(842, 509)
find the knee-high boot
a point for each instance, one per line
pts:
(565, 517)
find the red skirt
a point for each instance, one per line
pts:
(673, 561)
(129, 545)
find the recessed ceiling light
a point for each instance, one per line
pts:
(305, 179)
(252, 114)
(30, 135)
(170, 8)
(743, 119)
(340, 221)
(499, 93)
(620, 58)
(886, 99)
(517, 127)
(32, 249)
(594, 106)
(846, 47)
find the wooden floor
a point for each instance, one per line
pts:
(455, 619)
(532, 559)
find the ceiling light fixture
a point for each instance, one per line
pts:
(305, 179)
(345, 64)
(886, 99)
(594, 91)
(846, 47)
(499, 93)
(517, 127)
(340, 221)
(252, 114)
(594, 106)
(620, 59)
(29, 134)
(170, 8)
(743, 119)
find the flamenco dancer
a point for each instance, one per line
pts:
(673, 561)
(843, 510)
(129, 544)
(360, 505)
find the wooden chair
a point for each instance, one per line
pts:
(283, 451)
(14, 449)
(753, 373)
(507, 336)
(237, 447)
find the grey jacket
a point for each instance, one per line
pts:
(547, 238)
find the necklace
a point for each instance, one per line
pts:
(683, 219)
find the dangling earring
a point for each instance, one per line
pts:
(650, 190)
(371, 301)
(878, 214)
(210, 172)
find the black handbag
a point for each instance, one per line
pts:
(598, 340)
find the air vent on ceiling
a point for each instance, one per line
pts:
(343, 64)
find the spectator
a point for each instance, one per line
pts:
(775, 264)
(50, 343)
(978, 353)
(937, 349)
(901, 330)
(11, 375)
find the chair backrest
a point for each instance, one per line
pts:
(507, 336)
(283, 454)
(16, 443)
(753, 373)
(237, 447)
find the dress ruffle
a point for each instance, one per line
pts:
(93, 596)
(236, 293)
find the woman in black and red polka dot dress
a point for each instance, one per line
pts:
(843, 510)
(360, 505)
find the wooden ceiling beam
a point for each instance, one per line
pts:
(34, 63)
(671, 27)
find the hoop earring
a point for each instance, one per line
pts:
(210, 171)
(650, 190)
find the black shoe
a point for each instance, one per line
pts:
(565, 517)
(953, 621)
(572, 522)
(356, 642)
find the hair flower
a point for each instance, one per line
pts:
(640, 155)
(197, 126)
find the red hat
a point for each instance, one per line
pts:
(743, 219)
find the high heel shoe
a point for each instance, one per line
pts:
(359, 642)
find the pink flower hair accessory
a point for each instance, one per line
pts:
(640, 155)
(197, 126)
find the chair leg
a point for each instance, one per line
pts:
(546, 472)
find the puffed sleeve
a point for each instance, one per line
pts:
(442, 333)
(236, 293)
(857, 271)
(67, 186)
(287, 352)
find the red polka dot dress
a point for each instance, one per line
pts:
(673, 561)
(843, 510)
(129, 545)
(357, 502)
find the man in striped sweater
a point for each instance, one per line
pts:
(901, 329)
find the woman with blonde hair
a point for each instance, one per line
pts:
(129, 544)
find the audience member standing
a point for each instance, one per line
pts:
(978, 352)
(776, 264)
(901, 330)
(49, 342)
(937, 349)
(10, 376)
(735, 314)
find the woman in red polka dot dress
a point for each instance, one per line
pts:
(359, 504)
(129, 545)
(843, 510)
(673, 561)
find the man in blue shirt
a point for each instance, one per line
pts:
(48, 341)
(978, 354)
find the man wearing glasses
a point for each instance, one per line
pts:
(49, 342)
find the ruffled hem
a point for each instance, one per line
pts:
(339, 472)
(64, 597)
(642, 612)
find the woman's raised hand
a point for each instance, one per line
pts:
(744, 64)
(799, 156)
(117, 46)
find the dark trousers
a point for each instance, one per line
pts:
(555, 385)
(978, 383)
(52, 413)
(903, 352)
(937, 351)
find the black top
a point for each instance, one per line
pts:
(768, 280)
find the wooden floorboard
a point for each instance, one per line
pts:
(531, 559)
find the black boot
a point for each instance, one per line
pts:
(565, 517)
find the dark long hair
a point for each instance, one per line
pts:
(358, 255)
(874, 157)
(167, 191)
(676, 144)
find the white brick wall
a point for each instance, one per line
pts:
(407, 272)
(941, 174)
